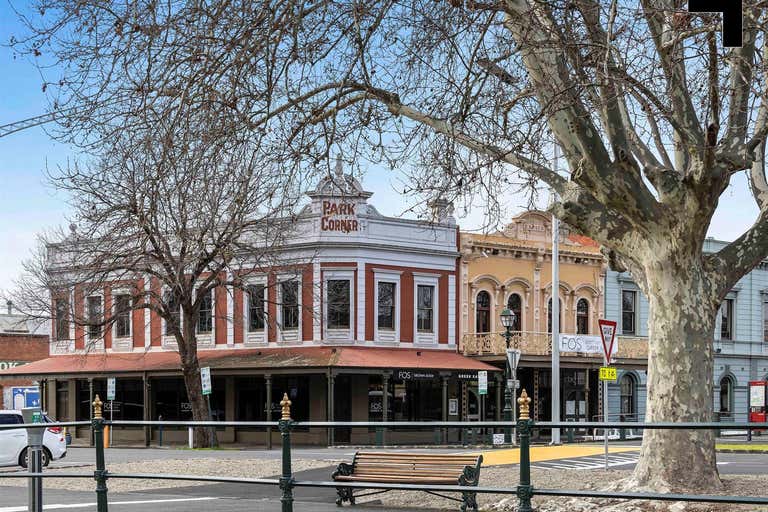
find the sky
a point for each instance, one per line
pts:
(30, 206)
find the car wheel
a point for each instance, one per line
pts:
(24, 458)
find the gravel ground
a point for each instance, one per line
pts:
(500, 476)
(248, 468)
(739, 485)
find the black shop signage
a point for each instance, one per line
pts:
(466, 375)
(415, 374)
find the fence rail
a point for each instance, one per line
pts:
(286, 483)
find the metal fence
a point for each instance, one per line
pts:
(525, 490)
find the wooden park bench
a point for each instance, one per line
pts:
(410, 468)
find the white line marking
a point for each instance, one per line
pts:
(61, 506)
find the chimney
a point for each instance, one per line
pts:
(442, 211)
(10, 307)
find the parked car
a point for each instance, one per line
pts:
(13, 442)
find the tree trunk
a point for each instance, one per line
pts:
(680, 364)
(190, 369)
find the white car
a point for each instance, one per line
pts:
(13, 441)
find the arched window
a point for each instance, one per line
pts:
(515, 304)
(726, 397)
(483, 312)
(549, 316)
(628, 391)
(582, 317)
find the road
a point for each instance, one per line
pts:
(242, 497)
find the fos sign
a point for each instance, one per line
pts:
(732, 18)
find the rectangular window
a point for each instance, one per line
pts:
(726, 320)
(171, 323)
(289, 293)
(628, 311)
(62, 319)
(765, 322)
(94, 317)
(256, 307)
(338, 303)
(205, 313)
(122, 316)
(387, 306)
(425, 307)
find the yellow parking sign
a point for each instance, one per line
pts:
(608, 373)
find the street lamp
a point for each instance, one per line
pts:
(508, 320)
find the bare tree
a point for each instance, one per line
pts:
(174, 221)
(653, 116)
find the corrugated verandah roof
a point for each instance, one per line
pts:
(242, 359)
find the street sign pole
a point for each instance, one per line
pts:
(111, 387)
(605, 415)
(608, 335)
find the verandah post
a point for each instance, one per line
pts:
(286, 479)
(524, 427)
(100, 475)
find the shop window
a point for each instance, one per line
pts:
(94, 316)
(515, 305)
(425, 308)
(250, 399)
(62, 319)
(128, 404)
(765, 322)
(726, 397)
(122, 316)
(170, 399)
(376, 399)
(483, 312)
(256, 294)
(628, 391)
(174, 316)
(726, 320)
(338, 303)
(416, 400)
(386, 306)
(549, 316)
(297, 389)
(582, 317)
(205, 313)
(628, 311)
(289, 295)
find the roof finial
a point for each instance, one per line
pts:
(339, 170)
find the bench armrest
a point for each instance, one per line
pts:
(343, 469)
(470, 476)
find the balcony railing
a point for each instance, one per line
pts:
(540, 344)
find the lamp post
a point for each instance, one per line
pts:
(508, 320)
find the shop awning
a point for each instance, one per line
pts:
(257, 359)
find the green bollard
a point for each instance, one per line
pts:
(524, 425)
(100, 474)
(286, 478)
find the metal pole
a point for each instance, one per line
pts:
(111, 418)
(524, 489)
(34, 454)
(605, 415)
(286, 478)
(268, 380)
(100, 475)
(555, 312)
(508, 408)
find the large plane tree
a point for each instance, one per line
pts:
(653, 115)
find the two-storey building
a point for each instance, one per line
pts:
(513, 269)
(362, 325)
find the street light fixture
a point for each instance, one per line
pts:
(508, 320)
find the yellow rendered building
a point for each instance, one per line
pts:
(513, 269)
